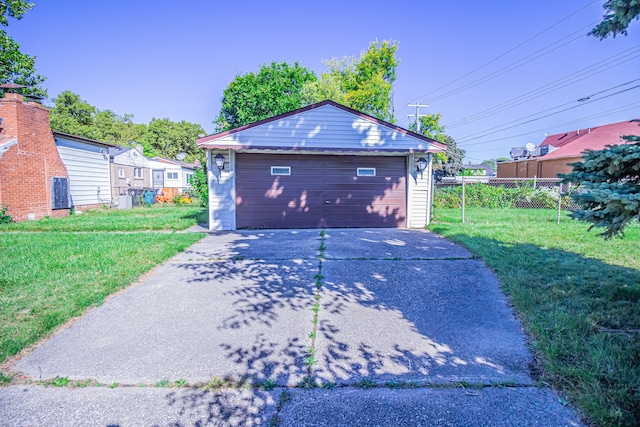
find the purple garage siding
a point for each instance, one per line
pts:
(322, 191)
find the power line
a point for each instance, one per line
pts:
(581, 100)
(627, 107)
(582, 103)
(565, 81)
(529, 58)
(507, 52)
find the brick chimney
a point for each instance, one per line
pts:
(31, 166)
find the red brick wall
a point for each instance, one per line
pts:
(540, 168)
(27, 167)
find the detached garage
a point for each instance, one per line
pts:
(324, 165)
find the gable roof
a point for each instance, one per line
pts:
(314, 128)
(82, 139)
(174, 162)
(116, 151)
(573, 144)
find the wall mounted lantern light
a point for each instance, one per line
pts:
(422, 165)
(219, 158)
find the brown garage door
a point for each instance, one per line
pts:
(321, 191)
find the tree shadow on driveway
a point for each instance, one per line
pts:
(261, 317)
(424, 321)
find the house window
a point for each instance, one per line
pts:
(120, 172)
(137, 173)
(189, 177)
(280, 170)
(366, 172)
(172, 175)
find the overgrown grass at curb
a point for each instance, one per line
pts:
(578, 296)
(48, 278)
(154, 217)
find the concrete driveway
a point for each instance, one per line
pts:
(409, 330)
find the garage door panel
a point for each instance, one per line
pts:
(282, 190)
(300, 199)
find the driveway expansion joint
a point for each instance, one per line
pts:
(310, 358)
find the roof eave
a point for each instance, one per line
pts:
(82, 139)
(320, 149)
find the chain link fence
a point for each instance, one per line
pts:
(518, 193)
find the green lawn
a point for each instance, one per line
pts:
(48, 277)
(577, 294)
(154, 217)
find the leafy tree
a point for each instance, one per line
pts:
(369, 88)
(15, 66)
(448, 163)
(363, 84)
(328, 86)
(172, 138)
(73, 115)
(161, 137)
(273, 90)
(618, 16)
(609, 183)
(430, 127)
(493, 163)
(453, 163)
(13, 8)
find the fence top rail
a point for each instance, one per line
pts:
(494, 179)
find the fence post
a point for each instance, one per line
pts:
(559, 202)
(463, 199)
(534, 181)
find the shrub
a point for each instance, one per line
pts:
(489, 196)
(5, 218)
(200, 185)
(183, 198)
(448, 197)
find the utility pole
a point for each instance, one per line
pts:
(417, 114)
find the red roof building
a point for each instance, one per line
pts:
(567, 147)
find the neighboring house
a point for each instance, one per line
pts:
(168, 173)
(33, 178)
(477, 170)
(325, 165)
(87, 163)
(556, 152)
(130, 169)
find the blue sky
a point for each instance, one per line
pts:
(174, 59)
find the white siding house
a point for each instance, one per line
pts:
(176, 174)
(87, 163)
(129, 170)
(329, 150)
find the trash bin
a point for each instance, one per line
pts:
(149, 197)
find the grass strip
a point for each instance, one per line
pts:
(578, 296)
(310, 358)
(154, 217)
(48, 278)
